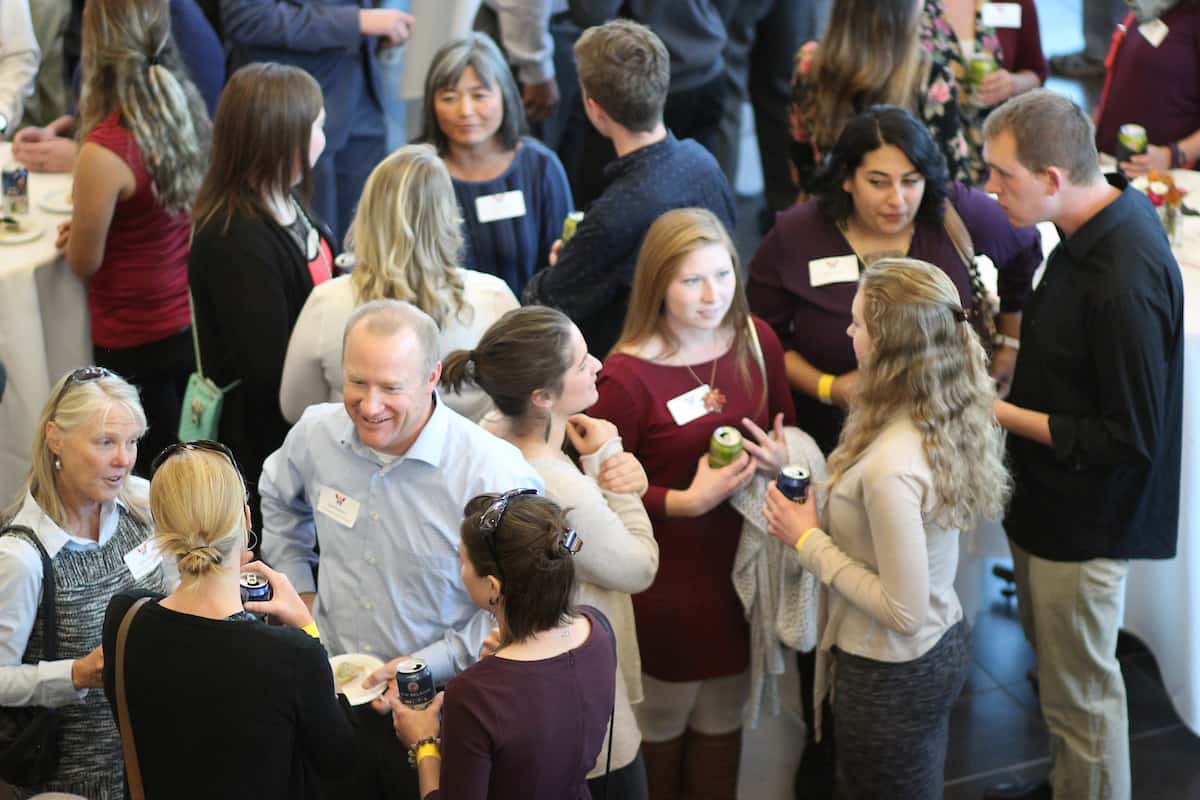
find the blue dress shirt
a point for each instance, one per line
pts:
(388, 582)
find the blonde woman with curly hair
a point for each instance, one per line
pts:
(143, 135)
(920, 458)
(407, 242)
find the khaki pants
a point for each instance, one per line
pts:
(1071, 612)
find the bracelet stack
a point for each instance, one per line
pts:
(429, 746)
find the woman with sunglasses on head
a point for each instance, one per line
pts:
(81, 509)
(529, 719)
(691, 359)
(921, 457)
(259, 699)
(258, 250)
(534, 365)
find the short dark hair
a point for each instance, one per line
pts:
(1049, 130)
(539, 572)
(478, 51)
(872, 129)
(626, 69)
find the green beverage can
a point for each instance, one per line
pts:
(982, 65)
(569, 224)
(724, 447)
(1131, 141)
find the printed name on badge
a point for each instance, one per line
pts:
(337, 506)
(495, 207)
(837, 269)
(1002, 15)
(688, 406)
(143, 559)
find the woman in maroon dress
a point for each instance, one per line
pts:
(691, 359)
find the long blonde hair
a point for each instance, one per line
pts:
(130, 65)
(927, 362)
(407, 235)
(70, 408)
(672, 238)
(198, 499)
(871, 53)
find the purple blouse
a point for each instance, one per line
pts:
(812, 320)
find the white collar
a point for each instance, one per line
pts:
(55, 538)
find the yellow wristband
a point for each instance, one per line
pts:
(428, 749)
(803, 537)
(825, 389)
(311, 630)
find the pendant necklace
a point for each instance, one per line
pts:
(714, 398)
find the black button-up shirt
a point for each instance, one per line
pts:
(1102, 354)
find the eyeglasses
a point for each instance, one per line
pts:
(204, 445)
(79, 376)
(490, 519)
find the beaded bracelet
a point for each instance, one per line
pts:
(414, 752)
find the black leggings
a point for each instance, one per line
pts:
(160, 371)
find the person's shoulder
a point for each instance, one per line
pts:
(334, 294)
(320, 419)
(481, 284)
(898, 449)
(535, 150)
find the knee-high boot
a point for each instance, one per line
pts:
(710, 765)
(664, 767)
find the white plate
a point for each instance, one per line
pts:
(355, 694)
(58, 202)
(29, 230)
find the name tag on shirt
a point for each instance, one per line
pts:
(339, 507)
(505, 205)
(1002, 15)
(143, 559)
(1155, 31)
(688, 406)
(838, 269)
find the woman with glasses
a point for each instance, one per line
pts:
(78, 522)
(529, 719)
(258, 699)
(534, 365)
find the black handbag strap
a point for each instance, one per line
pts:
(612, 714)
(48, 611)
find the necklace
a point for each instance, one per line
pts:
(714, 398)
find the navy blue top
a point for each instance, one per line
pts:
(514, 249)
(200, 50)
(591, 281)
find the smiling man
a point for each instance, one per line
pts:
(381, 482)
(1096, 412)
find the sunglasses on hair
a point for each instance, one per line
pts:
(80, 376)
(203, 445)
(490, 519)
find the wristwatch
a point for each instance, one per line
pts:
(1010, 342)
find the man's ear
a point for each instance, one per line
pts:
(1055, 178)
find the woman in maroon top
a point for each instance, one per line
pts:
(691, 359)
(528, 720)
(144, 134)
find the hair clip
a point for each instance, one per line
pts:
(959, 314)
(570, 542)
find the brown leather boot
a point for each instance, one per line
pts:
(710, 765)
(664, 765)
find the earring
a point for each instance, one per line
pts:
(57, 463)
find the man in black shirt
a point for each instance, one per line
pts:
(1095, 414)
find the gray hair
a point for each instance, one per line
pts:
(393, 317)
(1049, 131)
(478, 51)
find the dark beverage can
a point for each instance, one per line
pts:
(255, 588)
(15, 180)
(724, 447)
(414, 680)
(793, 481)
(1131, 141)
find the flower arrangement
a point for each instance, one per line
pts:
(1160, 188)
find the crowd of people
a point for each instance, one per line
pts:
(470, 390)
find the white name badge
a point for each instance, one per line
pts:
(143, 559)
(838, 269)
(1155, 31)
(689, 405)
(1002, 15)
(337, 506)
(505, 205)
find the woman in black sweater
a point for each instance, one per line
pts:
(257, 250)
(204, 676)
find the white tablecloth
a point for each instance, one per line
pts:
(1162, 598)
(44, 329)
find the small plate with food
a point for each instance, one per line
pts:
(16, 229)
(349, 671)
(58, 202)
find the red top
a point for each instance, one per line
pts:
(690, 623)
(321, 267)
(139, 293)
(1021, 48)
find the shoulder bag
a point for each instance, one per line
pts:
(200, 416)
(29, 734)
(133, 773)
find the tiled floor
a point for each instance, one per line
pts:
(996, 730)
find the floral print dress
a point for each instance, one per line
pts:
(937, 105)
